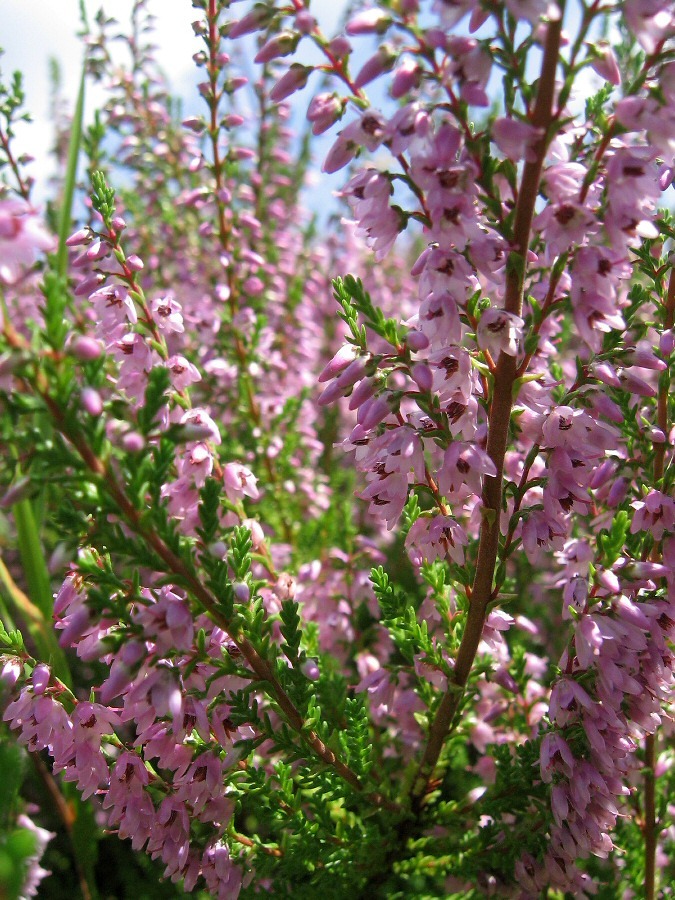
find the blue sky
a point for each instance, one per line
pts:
(32, 32)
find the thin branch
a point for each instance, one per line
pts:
(67, 818)
(177, 567)
(650, 826)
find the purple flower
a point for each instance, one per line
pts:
(516, 139)
(500, 332)
(22, 237)
(655, 514)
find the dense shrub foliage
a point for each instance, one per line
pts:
(338, 537)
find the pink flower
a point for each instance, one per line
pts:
(167, 314)
(555, 756)
(436, 538)
(367, 130)
(655, 514)
(368, 194)
(114, 307)
(182, 372)
(564, 224)
(293, 80)
(463, 469)
(369, 21)
(22, 237)
(34, 873)
(516, 139)
(239, 482)
(200, 425)
(500, 332)
(324, 111)
(541, 531)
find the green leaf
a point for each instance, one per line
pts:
(70, 177)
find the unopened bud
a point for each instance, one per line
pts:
(242, 591)
(91, 401)
(310, 669)
(293, 80)
(85, 348)
(281, 44)
(133, 442)
(369, 21)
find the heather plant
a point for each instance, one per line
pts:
(338, 544)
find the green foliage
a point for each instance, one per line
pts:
(155, 398)
(290, 628)
(612, 541)
(16, 848)
(355, 300)
(103, 197)
(209, 507)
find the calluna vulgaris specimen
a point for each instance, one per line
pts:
(461, 687)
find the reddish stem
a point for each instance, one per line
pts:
(498, 427)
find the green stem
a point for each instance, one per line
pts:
(651, 825)
(36, 609)
(71, 178)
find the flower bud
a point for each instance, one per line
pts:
(83, 236)
(17, 491)
(617, 493)
(417, 340)
(285, 587)
(85, 348)
(11, 671)
(310, 669)
(40, 678)
(133, 442)
(293, 80)
(324, 111)
(135, 263)
(604, 63)
(91, 401)
(369, 21)
(281, 44)
(423, 376)
(345, 355)
(362, 392)
(644, 357)
(254, 21)
(381, 62)
(257, 534)
(406, 77)
(373, 412)
(340, 46)
(667, 342)
(305, 21)
(242, 592)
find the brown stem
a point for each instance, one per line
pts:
(247, 842)
(174, 564)
(498, 428)
(189, 579)
(66, 816)
(23, 186)
(650, 826)
(261, 667)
